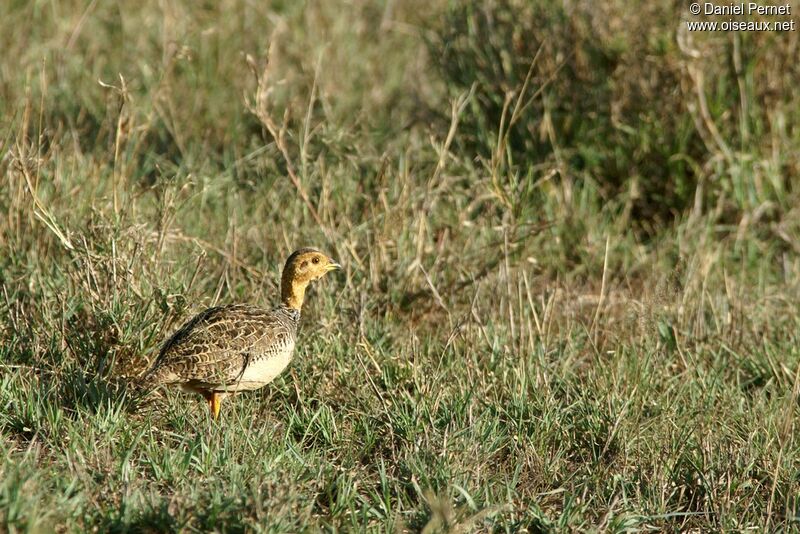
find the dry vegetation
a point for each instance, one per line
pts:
(571, 243)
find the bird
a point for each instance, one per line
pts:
(238, 347)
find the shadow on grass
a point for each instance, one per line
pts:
(38, 405)
(83, 391)
(225, 516)
(38, 396)
(98, 373)
(157, 519)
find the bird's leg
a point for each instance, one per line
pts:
(214, 401)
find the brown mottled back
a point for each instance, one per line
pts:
(212, 350)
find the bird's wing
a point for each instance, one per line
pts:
(215, 346)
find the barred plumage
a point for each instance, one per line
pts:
(238, 347)
(219, 347)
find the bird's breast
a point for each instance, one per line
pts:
(263, 369)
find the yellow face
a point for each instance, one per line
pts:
(308, 264)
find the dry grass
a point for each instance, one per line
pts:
(570, 294)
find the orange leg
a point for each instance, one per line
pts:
(214, 400)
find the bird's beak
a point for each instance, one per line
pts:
(333, 266)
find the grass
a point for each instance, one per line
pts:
(570, 294)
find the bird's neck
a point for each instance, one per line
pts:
(293, 292)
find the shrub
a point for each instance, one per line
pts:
(615, 97)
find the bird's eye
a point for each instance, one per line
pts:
(315, 260)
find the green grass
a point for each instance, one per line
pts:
(570, 296)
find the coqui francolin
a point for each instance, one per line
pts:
(238, 347)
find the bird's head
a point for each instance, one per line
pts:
(303, 266)
(308, 264)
